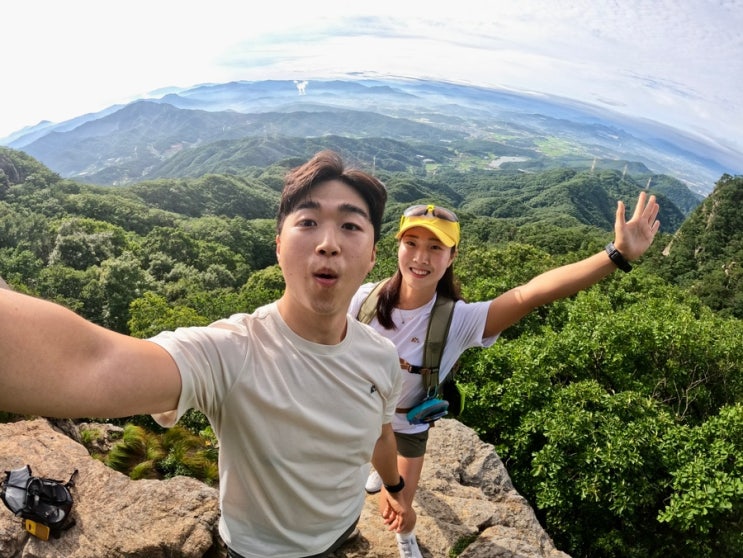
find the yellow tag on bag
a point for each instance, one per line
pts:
(38, 530)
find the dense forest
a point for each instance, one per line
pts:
(618, 412)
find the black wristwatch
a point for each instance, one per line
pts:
(397, 487)
(617, 257)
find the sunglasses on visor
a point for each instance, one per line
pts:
(423, 210)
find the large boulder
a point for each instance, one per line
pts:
(115, 517)
(465, 501)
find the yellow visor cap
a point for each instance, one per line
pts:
(446, 231)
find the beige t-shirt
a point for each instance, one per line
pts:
(296, 421)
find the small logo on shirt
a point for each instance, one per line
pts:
(415, 340)
(373, 389)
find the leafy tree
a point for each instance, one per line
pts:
(386, 263)
(215, 304)
(256, 240)
(151, 314)
(82, 243)
(706, 465)
(122, 281)
(24, 230)
(222, 195)
(485, 273)
(160, 265)
(684, 357)
(19, 265)
(17, 167)
(224, 263)
(79, 290)
(262, 287)
(118, 207)
(173, 242)
(598, 459)
(705, 253)
(584, 409)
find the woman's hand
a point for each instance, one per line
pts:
(632, 238)
(396, 513)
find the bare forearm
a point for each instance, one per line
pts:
(567, 280)
(55, 363)
(384, 458)
(561, 282)
(632, 239)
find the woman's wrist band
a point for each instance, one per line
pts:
(617, 257)
(397, 487)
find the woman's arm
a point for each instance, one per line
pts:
(398, 514)
(632, 239)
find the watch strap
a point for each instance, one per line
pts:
(617, 257)
(396, 487)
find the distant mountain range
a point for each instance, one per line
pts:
(198, 130)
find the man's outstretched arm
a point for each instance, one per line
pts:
(55, 363)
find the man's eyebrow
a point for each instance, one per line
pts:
(307, 204)
(351, 208)
(344, 208)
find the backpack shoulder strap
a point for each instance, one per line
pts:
(438, 329)
(368, 308)
(71, 483)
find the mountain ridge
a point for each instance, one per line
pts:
(418, 111)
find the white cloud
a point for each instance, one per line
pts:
(676, 61)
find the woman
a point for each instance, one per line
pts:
(428, 239)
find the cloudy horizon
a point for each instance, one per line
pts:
(677, 62)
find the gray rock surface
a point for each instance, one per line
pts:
(465, 500)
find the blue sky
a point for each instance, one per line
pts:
(679, 62)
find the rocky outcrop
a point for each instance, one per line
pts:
(114, 516)
(465, 501)
(465, 494)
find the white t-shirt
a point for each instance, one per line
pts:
(297, 423)
(466, 330)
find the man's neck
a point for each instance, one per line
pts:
(323, 329)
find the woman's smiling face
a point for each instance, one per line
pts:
(422, 257)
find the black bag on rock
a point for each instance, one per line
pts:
(43, 504)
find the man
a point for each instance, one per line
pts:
(299, 394)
